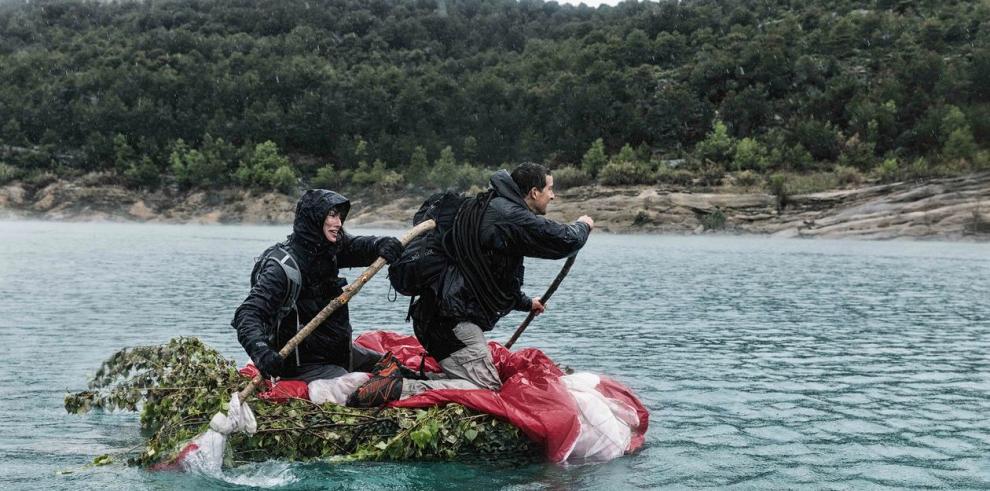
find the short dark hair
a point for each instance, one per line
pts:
(530, 175)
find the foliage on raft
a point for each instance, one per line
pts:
(181, 384)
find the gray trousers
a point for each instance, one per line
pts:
(470, 367)
(362, 360)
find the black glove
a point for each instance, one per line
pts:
(389, 248)
(269, 362)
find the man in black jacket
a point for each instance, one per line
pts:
(319, 247)
(487, 243)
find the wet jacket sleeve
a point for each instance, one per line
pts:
(255, 317)
(523, 301)
(357, 251)
(533, 235)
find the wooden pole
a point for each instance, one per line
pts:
(349, 291)
(546, 296)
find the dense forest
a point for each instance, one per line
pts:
(413, 94)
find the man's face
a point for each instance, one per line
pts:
(331, 226)
(541, 198)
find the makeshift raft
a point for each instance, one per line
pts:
(540, 413)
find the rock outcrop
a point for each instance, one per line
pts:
(950, 208)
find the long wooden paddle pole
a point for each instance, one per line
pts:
(546, 296)
(349, 291)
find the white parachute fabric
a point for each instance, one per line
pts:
(336, 390)
(205, 453)
(606, 424)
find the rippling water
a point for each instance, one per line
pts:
(764, 363)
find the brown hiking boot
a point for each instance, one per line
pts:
(377, 391)
(386, 366)
(385, 385)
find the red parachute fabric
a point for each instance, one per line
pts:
(405, 348)
(280, 391)
(533, 398)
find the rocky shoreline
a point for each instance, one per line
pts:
(955, 208)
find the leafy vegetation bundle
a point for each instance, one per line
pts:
(178, 387)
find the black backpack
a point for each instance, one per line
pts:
(423, 260)
(280, 254)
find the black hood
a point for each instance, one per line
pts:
(505, 187)
(311, 212)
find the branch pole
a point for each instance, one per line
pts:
(546, 297)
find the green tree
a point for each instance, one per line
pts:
(419, 166)
(360, 149)
(858, 154)
(818, 138)
(470, 149)
(594, 159)
(143, 172)
(626, 154)
(265, 168)
(960, 145)
(444, 172)
(284, 179)
(750, 155)
(124, 155)
(195, 168)
(718, 146)
(326, 178)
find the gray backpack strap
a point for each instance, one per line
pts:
(291, 268)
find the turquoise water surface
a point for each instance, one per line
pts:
(765, 363)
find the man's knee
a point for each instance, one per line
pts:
(474, 363)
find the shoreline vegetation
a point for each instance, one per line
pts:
(843, 118)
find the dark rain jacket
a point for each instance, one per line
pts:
(319, 262)
(509, 231)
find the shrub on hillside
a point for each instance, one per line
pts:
(777, 186)
(618, 173)
(376, 177)
(888, 170)
(746, 178)
(265, 168)
(714, 220)
(570, 177)
(284, 179)
(821, 139)
(448, 174)
(791, 157)
(193, 167)
(8, 173)
(143, 172)
(919, 169)
(710, 174)
(327, 178)
(857, 154)
(814, 182)
(750, 155)
(678, 177)
(845, 175)
(717, 146)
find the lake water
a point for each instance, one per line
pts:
(765, 363)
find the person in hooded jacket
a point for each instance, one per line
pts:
(320, 248)
(450, 321)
